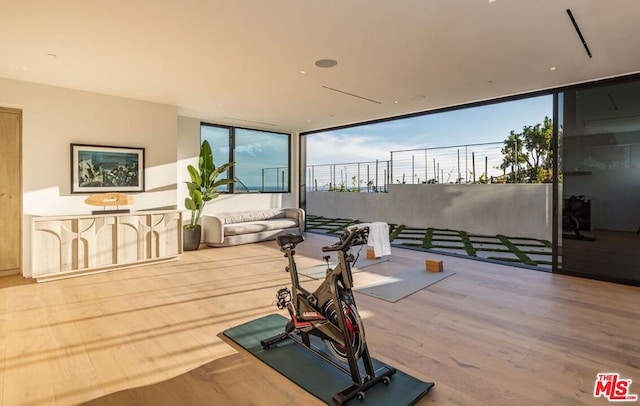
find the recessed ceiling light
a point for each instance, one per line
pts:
(395, 101)
(326, 63)
(52, 55)
(552, 68)
(24, 68)
(490, 1)
(302, 72)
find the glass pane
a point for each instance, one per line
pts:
(262, 161)
(506, 142)
(560, 201)
(218, 138)
(601, 182)
(471, 150)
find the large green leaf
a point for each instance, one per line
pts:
(205, 160)
(210, 196)
(194, 175)
(222, 182)
(196, 196)
(189, 204)
(192, 187)
(220, 170)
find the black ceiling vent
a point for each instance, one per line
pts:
(575, 25)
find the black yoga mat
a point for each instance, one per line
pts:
(314, 374)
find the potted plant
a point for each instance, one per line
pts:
(203, 187)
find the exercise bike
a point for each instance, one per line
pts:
(570, 223)
(330, 313)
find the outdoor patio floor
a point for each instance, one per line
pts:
(529, 252)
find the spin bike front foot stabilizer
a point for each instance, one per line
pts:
(357, 390)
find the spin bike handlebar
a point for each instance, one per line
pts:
(352, 235)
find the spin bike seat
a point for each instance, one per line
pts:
(289, 239)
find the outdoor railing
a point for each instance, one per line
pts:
(275, 179)
(471, 163)
(371, 176)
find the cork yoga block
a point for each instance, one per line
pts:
(371, 254)
(434, 266)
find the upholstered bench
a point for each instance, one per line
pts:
(243, 227)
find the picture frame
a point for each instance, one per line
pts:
(104, 168)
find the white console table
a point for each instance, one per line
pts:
(66, 246)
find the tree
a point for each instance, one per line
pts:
(528, 154)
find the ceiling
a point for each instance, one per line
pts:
(241, 62)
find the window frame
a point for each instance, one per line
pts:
(232, 155)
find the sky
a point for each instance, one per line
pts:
(256, 150)
(489, 123)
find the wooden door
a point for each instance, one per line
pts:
(10, 190)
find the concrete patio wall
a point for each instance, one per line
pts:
(516, 210)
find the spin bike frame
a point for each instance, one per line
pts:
(307, 313)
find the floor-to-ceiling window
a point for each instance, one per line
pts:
(502, 142)
(600, 188)
(596, 129)
(467, 154)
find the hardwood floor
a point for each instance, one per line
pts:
(489, 334)
(613, 254)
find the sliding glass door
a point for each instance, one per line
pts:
(599, 192)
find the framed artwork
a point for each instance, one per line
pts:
(101, 168)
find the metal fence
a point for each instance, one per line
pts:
(372, 176)
(275, 179)
(472, 163)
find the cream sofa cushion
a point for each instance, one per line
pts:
(243, 227)
(259, 226)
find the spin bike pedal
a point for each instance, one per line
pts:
(283, 298)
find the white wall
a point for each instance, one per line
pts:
(519, 210)
(54, 117)
(188, 150)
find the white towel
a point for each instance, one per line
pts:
(379, 238)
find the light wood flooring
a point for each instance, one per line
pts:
(489, 334)
(613, 254)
